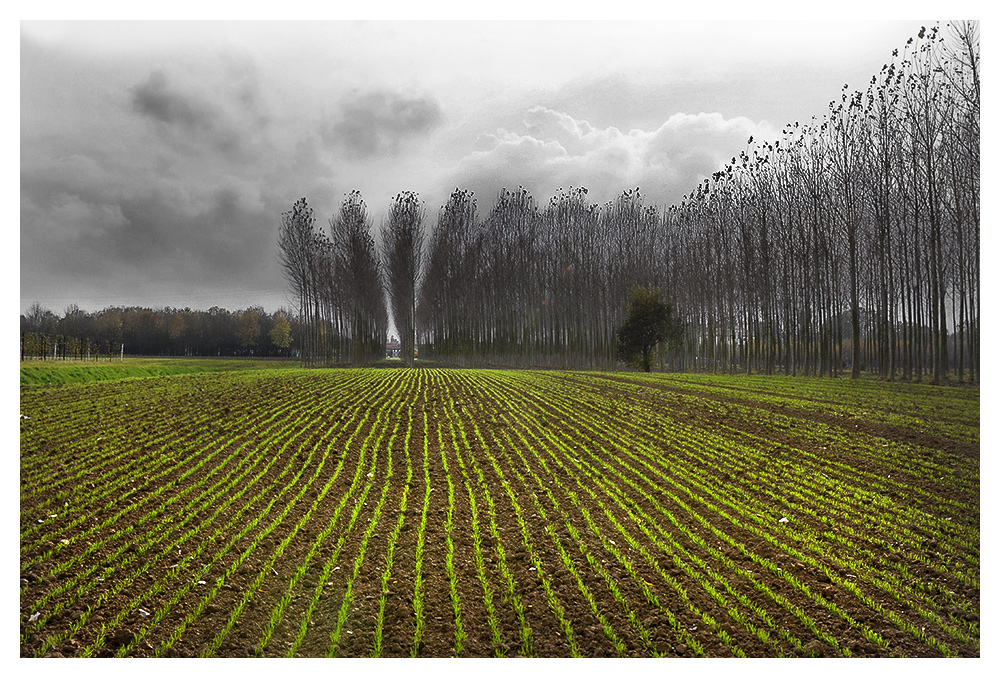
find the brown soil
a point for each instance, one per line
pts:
(613, 592)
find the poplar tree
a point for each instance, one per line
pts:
(402, 258)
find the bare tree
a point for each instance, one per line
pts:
(402, 258)
(361, 315)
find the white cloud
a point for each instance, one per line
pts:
(555, 150)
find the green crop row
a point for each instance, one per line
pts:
(279, 513)
(701, 442)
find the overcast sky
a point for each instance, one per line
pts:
(157, 157)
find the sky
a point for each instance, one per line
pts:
(156, 157)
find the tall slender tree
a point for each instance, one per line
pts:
(402, 257)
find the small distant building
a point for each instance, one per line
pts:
(393, 348)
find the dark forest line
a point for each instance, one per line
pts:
(215, 332)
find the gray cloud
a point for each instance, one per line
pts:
(173, 194)
(155, 98)
(219, 233)
(229, 119)
(88, 229)
(377, 123)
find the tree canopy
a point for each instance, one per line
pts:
(650, 321)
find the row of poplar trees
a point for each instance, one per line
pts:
(339, 278)
(851, 244)
(337, 283)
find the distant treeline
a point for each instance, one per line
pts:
(850, 244)
(78, 334)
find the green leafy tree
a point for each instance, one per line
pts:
(281, 332)
(248, 327)
(650, 320)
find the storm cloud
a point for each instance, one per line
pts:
(378, 123)
(148, 246)
(155, 98)
(228, 118)
(174, 197)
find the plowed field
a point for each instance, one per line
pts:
(498, 513)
